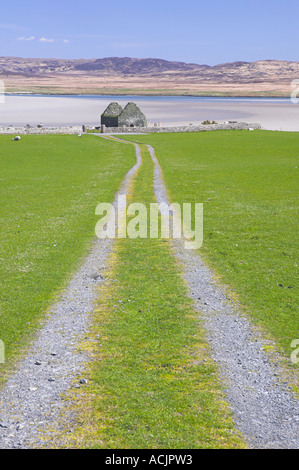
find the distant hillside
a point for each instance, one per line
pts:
(127, 65)
(270, 76)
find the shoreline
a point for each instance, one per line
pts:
(147, 93)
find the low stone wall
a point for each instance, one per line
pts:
(116, 130)
(40, 131)
(199, 128)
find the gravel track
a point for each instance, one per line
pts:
(31, 401)
(265, 409)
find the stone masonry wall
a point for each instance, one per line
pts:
(199, 128)
(42, 130)
(118, 130)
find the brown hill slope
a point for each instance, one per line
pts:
(124, 75)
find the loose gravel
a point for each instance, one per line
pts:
(265, 409)
(31, 402)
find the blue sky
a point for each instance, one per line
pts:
(204, 32)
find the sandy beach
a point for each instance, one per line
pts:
(272, 114)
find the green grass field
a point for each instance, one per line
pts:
(152, 384)
(248, 182)
(50, 186)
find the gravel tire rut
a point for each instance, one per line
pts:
(31, 400)
(264, 407)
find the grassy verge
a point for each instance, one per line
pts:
(50, 186)
(248, 182)
(152, 384)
